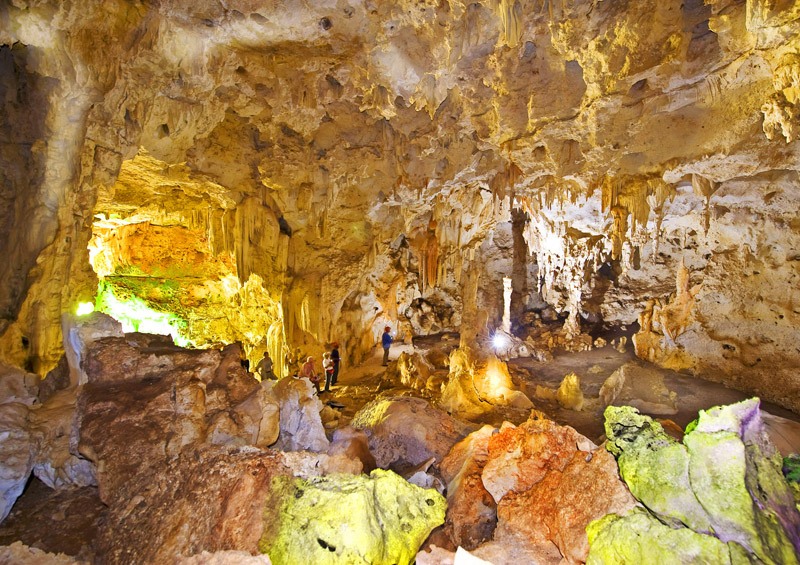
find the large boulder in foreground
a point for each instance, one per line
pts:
(405, 431)
(639, 537)
(725, 479)
(147, 401)
(380, 519)
(209, 499)
(541, 483)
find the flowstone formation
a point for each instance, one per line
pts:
(722, 485)
(341, 519)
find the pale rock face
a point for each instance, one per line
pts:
(18, 552)
(17, 454)
(79, 333)
(300, 423)
(54, 437)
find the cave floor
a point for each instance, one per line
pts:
(67, 521)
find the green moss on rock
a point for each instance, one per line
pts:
(348, 519)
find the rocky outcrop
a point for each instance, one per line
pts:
(18, 453)
(724, 480)
(378, 519)
(475, 386)
(209, 499)
(405, 431)
(471, 511)
(300, 423)
(533, 488)
(54, 439)
(147, 400)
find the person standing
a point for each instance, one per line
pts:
(327, 366)
(335, 358)
(386, 341)
(308, 372)
(264, 367)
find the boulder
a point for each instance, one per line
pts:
(18, 553)
(354, 444)
(725, 478)
(405, 431)
(639, 537)
(569, 394)
(300, 423)
(18, 386)
(56, 379)
(146, 401)
(471, 511)
(380, 519)
(476, 386)
(520, 457)
(559, 507)
(224, 558)
(412, 370)
(209, 499)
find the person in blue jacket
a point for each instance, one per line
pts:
(386, 341)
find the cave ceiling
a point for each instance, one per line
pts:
(301, 139)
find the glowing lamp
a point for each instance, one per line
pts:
(84, 308)
(499, 341)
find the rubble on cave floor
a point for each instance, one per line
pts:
(194, 467)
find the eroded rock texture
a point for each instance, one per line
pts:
(531, 489)
(321, 170)
(724, 480)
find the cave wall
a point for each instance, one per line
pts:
(635, 135)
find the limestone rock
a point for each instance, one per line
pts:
(306, 464)
(17, 386)
(355, 445)
(474, 387)
(147, 400)
(471, 511)
(569, 394)
(19, 553)
(55, 380)
(378, 519)
(725, 478)
(54, 438)
(224, 558)
(638, 537)
(17, 449)
(560, 506)
(413, 371)
(520, 457)
(210, 499)
(300, 423)
(407, 431)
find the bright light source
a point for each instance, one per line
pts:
(499, 341)
(84, 308)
